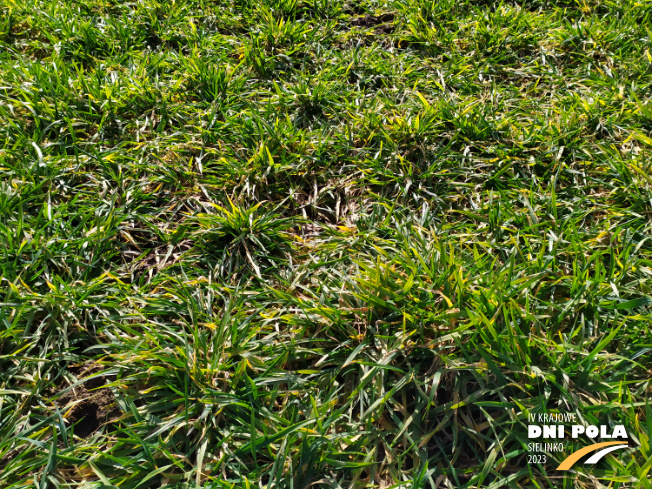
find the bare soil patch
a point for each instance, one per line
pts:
(89, 405)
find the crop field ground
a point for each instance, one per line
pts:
(322, 244)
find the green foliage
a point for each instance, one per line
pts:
(245, 233)
(310, 243)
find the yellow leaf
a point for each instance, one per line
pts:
(423, 100)
(347, 229)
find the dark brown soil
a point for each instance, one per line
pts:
(372, 20)
(93, 406)
(8, 457)
(384, 29)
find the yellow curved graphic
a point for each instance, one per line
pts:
(574, 457)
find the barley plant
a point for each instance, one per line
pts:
(322, 243)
